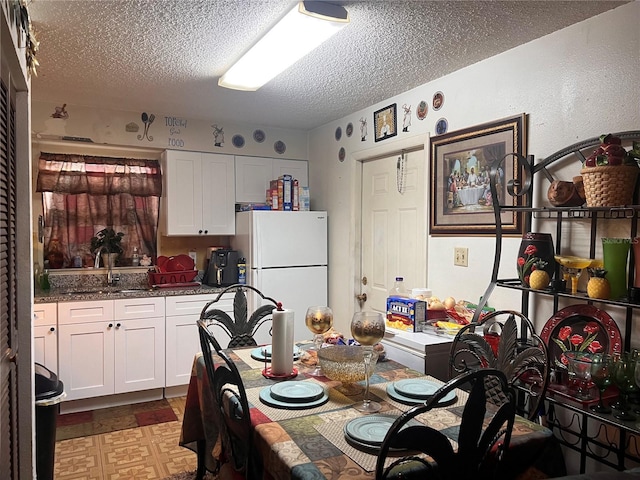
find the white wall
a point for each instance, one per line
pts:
(574, 84)
(109, 127)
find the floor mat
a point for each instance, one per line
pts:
(105, 420)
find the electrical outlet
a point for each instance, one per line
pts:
(461, 256)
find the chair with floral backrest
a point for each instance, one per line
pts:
(242, 327)
(506, 340)
(482, 439)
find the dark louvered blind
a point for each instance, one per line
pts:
(8, 317)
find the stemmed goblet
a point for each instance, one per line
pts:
(368, 329)
(572, 267)
(601, 366)
(319, 320)
(623, 377)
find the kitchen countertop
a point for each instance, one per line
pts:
(112, 293)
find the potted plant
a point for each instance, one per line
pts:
(107, 242)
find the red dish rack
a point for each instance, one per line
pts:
(169, 278)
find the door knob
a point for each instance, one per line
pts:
(362, 297)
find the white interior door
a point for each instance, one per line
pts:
(393, 233)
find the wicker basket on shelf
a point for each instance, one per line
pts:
(609, 186)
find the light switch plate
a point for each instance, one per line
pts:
(461, 256)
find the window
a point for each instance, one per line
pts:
(82, 195)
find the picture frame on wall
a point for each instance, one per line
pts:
(385, 123)
(461, 161)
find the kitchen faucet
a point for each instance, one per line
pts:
(112, 278)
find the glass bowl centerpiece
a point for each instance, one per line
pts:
(344, 363)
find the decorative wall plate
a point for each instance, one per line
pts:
(442, 126)
(349, 129)
(238, 141)
(422, 110)
(338, 133)
(279, 147)
(342, 154)
(259, 136)
(580, 328)
(438, 100)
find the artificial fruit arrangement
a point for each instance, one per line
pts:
(611, 152)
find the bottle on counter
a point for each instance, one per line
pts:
(242, 271)
(135, 257)
(44, 278)
(398, 289)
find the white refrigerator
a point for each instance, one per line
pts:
(286, 254)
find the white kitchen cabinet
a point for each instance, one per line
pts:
(45, 335)
(86, 348)
(183, 340)
(139, 344)
(198, 193)
(253, 175)
(111, 346)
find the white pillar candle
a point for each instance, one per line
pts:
(282, 342)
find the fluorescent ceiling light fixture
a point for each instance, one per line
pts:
(301, 30)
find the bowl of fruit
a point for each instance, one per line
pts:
(610, 173)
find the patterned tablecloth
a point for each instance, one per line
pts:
(310, 443)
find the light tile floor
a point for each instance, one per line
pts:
(143, 453)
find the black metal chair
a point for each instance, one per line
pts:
(517, 351)
(232, 413)
(240, 329)
(483, 436)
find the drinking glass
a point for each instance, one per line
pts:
(368, 329)
(623, 376)
(601, 367)
(319, 320)
(580, 365)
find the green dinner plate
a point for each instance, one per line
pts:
(297, 391)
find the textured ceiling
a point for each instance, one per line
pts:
(167, 55)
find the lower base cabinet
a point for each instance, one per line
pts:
(183, 340)
(45, 335)
(112, 346)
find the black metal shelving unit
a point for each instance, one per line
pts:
(601, 437)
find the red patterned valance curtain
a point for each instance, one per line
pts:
(98, 175)
(84, 194)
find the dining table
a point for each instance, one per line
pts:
(310, 443)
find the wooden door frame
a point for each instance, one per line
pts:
(357, 158)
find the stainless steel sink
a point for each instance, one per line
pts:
(105, 291)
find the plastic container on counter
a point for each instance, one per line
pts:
(421, 293)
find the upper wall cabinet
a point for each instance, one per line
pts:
(253, 175)
(199, 194)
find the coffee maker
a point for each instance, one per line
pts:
(222, 270)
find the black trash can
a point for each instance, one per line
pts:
(49, 394)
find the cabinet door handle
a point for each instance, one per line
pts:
(206, 231)
(110, 325)
(118, 325)
(200, 232)
(52, 329)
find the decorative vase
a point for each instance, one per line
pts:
(615, 252)
(536, 252)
